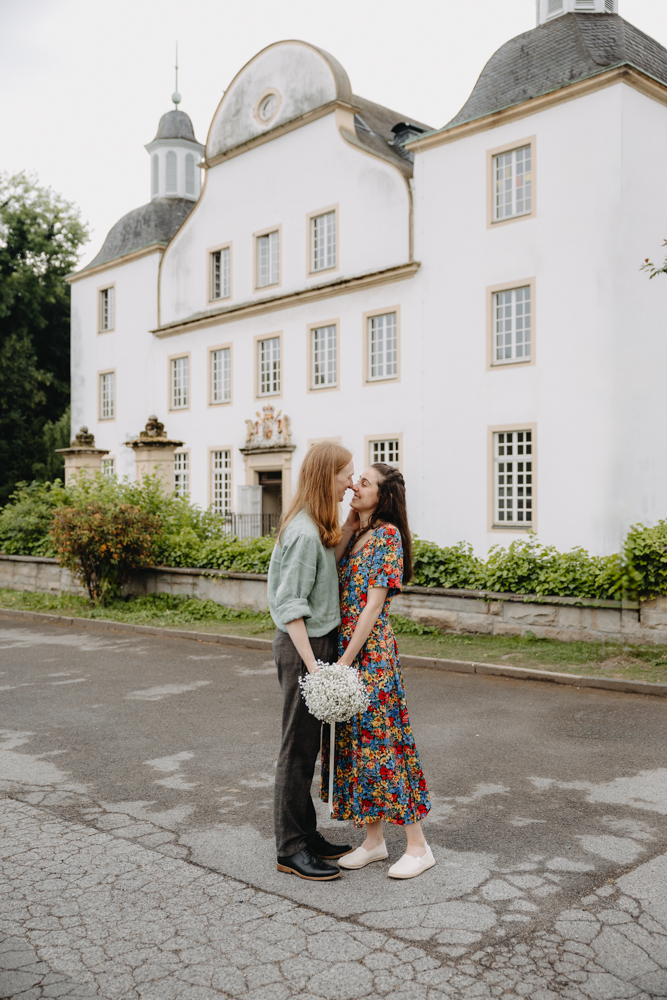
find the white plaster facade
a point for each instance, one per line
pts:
(424, 248)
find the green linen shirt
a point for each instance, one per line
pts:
(303, 579)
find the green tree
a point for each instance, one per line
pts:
(40, 238)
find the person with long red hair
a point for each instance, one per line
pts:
(304, 605)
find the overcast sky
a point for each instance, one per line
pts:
(84, 82)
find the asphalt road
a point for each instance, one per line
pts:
(541, 793)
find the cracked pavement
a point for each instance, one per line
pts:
(136, 857)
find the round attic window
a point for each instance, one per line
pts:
(267, 107)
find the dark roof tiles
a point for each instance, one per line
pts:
(378, 136)
(155, 222)
(556, 54)
(175, 125)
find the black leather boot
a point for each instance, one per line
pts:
(307, 865)
(317, 844)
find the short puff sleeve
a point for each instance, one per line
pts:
(386, 565)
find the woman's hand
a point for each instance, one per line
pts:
(352, 522)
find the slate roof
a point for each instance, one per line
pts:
(155, 222)
(378, 137)
(555, 54)
(175, 125)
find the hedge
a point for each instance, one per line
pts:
(189, 536)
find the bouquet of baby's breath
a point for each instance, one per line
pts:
(334, 693)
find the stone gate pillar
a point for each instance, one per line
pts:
(82, 455)
(154, 453)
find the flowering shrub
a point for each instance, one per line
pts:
(102, 544)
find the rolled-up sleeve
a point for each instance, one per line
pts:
(298, 570)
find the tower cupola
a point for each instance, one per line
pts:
(175, 154)
(547, 10)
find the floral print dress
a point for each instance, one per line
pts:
(378, 774)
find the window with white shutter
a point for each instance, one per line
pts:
(221, 375)
(221, 481)
(180, 388)
(268, 259)
(513, 460)
(323, 241)
(382, 347)
(155, 164)
(513, 183)
(323, 350)
(171, 172)
(189, 174)
(221, 273)
(512, 325)
(269, 366)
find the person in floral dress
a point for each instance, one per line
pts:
(378, 774)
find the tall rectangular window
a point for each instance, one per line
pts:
(386, 451)
(180, 375)
(513, 477)
(108, 466)
(181, 473)
(382, 347)
(513, 183)
(323, 353)
(107, 396)
(220, 274)
(269, 366)
(268, 259)
(221, 375)
(107, 309)
(512, 325)
(323, 241)
(221, 481)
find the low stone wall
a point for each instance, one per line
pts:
(566, 619)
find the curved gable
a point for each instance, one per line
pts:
(301, 76)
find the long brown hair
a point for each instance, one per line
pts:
(316, 490)
(391, 509)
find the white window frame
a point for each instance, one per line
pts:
(323, 356)
(323, 233)
(179, 382)
(220, 479)
(512, 325)
(513, 488)
(107, 394)
(108, 466)
(388, 450)
(181, 473)
(382, 335)
(508, 166)
(269, 365)
(107, 308)
(220, 273)
(220, 374)
(267, 258)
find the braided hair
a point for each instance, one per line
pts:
(391, 508)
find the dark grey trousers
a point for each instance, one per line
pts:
(294, 812)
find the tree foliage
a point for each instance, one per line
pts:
(40, 238)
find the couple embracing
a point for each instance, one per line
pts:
(330, 588)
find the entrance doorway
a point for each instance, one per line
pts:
(271, 482)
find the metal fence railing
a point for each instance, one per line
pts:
(251, 525)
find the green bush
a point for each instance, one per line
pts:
(26, 519)
(645, 554)
(455, 566)
(190, 536)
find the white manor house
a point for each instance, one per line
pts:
(465, 302)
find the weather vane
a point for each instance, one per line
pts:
(176, 97)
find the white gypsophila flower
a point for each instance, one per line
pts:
(334, 693)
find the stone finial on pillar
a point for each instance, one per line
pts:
(82, 455)
(154, 453)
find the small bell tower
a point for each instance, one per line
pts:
(548, 10)
(175, 154)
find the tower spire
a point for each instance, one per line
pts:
(176, 97)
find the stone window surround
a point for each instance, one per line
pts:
(491, 222)
(492, 526)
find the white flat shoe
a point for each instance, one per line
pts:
(409, 867)
(361, 857)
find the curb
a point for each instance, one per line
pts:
(427, 662)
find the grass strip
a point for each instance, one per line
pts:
(597, 659)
